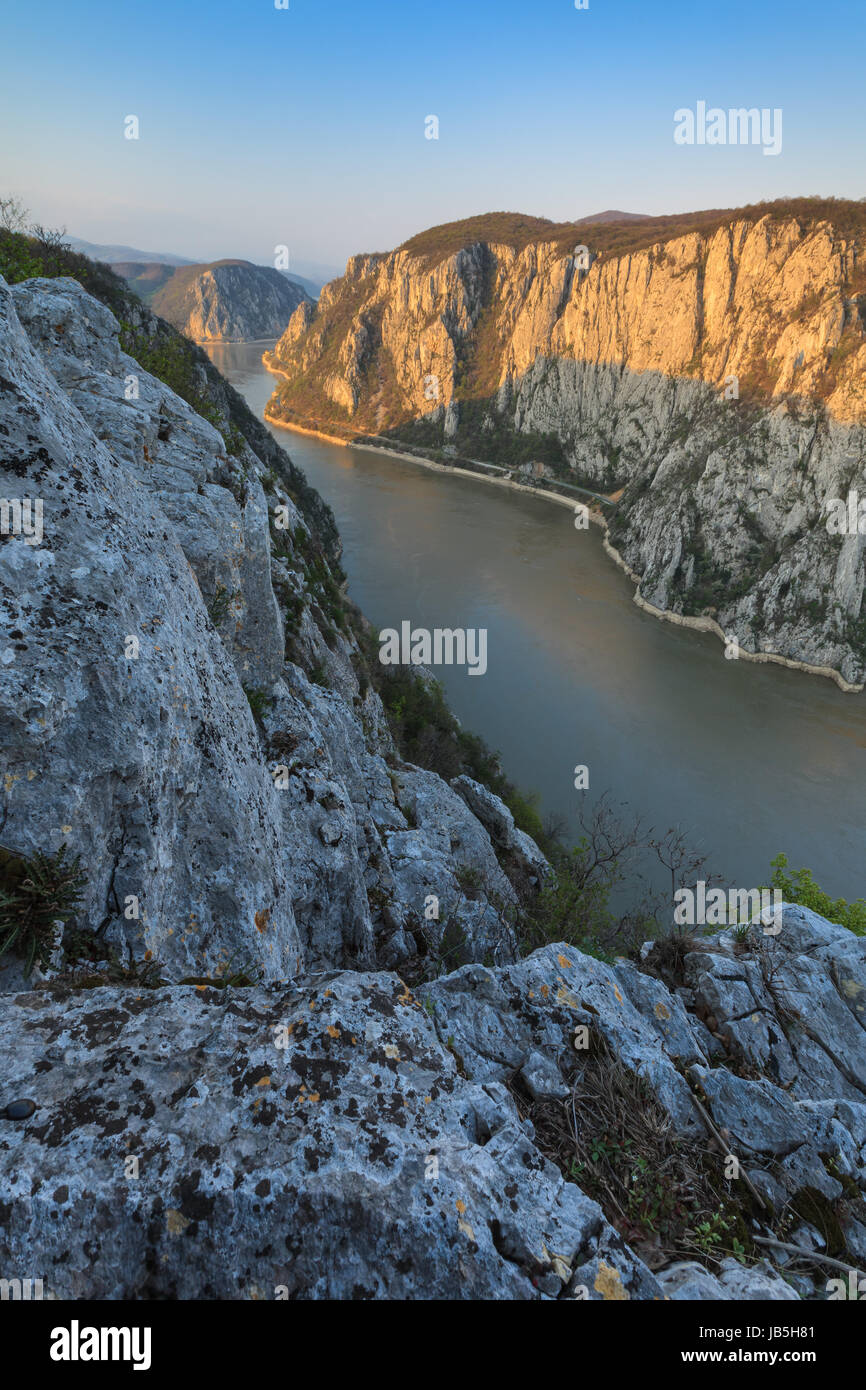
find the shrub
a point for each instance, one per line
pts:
(35, 893)
(221, 603)
(800, 887)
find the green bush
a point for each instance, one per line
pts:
(17, 259)
(37, 252)
(800, 887)
(574, 903)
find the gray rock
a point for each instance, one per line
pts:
(735, 1282)
(124, 759)
(496, 818)
(314, 1141)
(498, 1019)
(299, 843)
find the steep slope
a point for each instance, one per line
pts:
(710, 368)
(232, 301)
(210, 746)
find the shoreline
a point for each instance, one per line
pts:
(697, 624)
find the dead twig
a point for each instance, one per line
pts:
(726, 1148)
(814, 1255)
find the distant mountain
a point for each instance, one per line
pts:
(313, 287)
(147, 271)
(145, 277)
(128, 254)
(612, 215)
(228, 301)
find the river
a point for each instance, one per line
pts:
(751, 760)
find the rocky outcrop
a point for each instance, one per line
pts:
(229, 301)
(344, 1137)
(715, 380)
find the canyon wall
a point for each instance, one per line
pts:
(713, 384)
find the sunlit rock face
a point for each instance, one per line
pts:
(715, 381)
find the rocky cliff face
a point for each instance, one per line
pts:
(229, 301)
(253, 808)
(234, 1093)
(715, 380)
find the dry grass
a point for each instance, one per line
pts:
(667, 1197)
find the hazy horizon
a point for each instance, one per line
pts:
(307, 126)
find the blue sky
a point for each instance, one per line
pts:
(305, 126)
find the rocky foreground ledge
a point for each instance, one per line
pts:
(342, 1137)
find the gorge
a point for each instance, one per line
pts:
(572, 661)
(283, 1026)
(706, 370)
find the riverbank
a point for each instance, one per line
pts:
(707, 624)
(696, 623)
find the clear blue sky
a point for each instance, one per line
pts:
(306, 126)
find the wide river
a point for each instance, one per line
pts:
(749, 759)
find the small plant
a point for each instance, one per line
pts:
(709, 1233)
(258, 700)
(36, 893)
(234, 440)
(228, 976)
(470, 880)
(220, 604)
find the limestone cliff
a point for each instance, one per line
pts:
(229, 301)
(714, 379)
